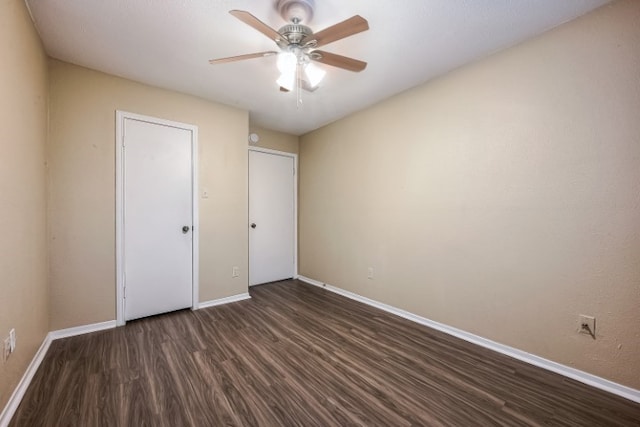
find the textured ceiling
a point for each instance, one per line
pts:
(167, 43)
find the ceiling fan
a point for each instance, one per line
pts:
(299, 44)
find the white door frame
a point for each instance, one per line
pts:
(295, 200)
(121, 116)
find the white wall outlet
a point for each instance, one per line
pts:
(370, 273)
(12, 340)
(235, 272)
(205, 193)
(587, 325)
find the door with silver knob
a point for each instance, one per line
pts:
(271, 217)
(158, 214)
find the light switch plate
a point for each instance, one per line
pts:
(12, 340)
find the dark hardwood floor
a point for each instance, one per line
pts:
(298, 355)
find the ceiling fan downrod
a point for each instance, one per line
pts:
(296, 12)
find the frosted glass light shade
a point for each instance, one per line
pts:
(287, 63)
(287, 80)
(314, 74)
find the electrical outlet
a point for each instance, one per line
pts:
(235, 272)
(12, 339)
(370, 273)
(6, 349)
(587, 325)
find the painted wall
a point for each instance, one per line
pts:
(24, 292)
(502, 199)
(82, 195)
(275, 140)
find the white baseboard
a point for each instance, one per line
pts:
(23, 385)
(567, 371)
(18, 393)
(80, 330)
(227, 300)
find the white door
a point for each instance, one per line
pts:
(157, 218)
(271, 217)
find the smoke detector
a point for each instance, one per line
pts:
(296, 11)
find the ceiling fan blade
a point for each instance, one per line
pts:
(339, 61)
(354, 25)
(241, 57)
(257, 24)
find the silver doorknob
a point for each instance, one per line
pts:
(185, 229)
(253, 225)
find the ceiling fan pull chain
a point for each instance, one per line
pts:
(298, 87)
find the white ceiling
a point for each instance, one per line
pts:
(167, 43)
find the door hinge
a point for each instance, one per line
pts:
(124, 292)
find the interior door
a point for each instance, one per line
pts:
(271, 217)
(158, 217)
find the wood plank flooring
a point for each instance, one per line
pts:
(295, 355)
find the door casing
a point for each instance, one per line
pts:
(295, 201)
(121, 116)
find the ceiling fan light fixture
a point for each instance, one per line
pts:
(314, 74)
(287, 63)
(287, 80)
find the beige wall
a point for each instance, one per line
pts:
(82, 196)
(23, 128)
(275, 140)
(501, 199)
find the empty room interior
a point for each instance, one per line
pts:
(298, 212)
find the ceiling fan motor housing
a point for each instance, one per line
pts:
(296, 11)
(292, 34)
